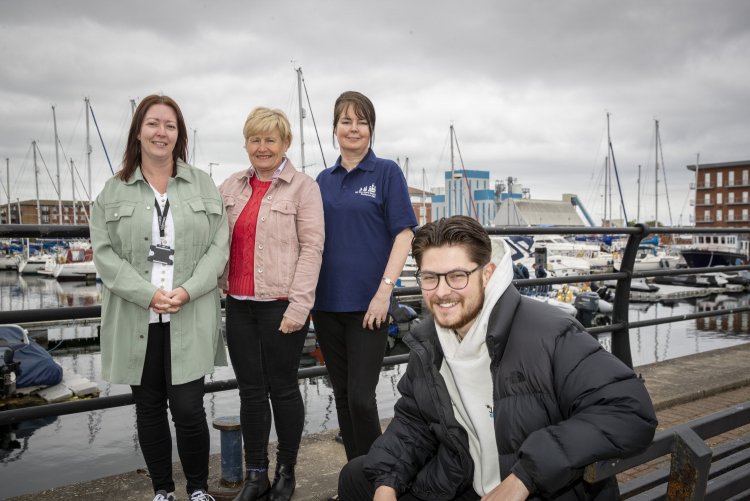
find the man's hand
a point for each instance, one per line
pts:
(384, 493)
(510, 489)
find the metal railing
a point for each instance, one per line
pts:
(619, 328)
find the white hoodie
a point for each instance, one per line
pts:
(466, 370)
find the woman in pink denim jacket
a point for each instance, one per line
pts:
(276, 243)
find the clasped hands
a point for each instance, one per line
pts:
(165, 302)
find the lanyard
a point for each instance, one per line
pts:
(162, 217)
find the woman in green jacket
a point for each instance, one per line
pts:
(160, 239)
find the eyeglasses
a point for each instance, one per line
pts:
(456, 279)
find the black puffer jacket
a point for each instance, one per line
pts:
(561, 402)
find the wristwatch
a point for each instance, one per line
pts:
(388, 281)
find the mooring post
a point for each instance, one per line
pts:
(231, 450)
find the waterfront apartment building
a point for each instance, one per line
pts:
(722, 194)
(48, 212)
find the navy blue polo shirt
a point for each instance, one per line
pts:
(364, 210)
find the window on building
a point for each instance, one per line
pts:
(719, 198)
(744, 214)
(745, 177)
(45, 218)
(745, 197)
(730, 197)
(707, 199)
(707, 179)
(719, 179)
(730, 178)
(707, 215)
(730, 215)
(718, 215)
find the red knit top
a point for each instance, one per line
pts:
(242, 253)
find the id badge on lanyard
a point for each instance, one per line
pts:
(161, 252)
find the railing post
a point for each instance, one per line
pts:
(620, 309)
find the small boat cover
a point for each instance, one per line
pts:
(37, 366)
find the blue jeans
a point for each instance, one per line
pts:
(266, 362)
(188, 415)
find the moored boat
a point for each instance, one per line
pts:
(717, 250)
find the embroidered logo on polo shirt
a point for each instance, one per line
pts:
(368, 191)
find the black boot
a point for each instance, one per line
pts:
(256, 486)
(283, 483)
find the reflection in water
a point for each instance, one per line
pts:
(661, 342)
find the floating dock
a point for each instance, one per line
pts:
(674, 292)
(71, 387)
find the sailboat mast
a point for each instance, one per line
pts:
(36, 185)
(452, 158)
(697, 168)
(192, 159)
(73, 183)
(638, 215)
(301, 119)
(57, 163)
(608, 188)
(88, 148)
(656, 176)
(423, 215)
(7, 181)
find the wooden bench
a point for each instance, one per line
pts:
(696, 471)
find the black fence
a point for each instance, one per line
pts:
(619, 327)
(689, 452)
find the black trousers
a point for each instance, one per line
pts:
(354, 485)
(189, 417)
(266, 362)
(354, 356)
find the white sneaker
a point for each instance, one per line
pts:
(201, 495)
(164, 496)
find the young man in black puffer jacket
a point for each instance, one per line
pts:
(504, 397)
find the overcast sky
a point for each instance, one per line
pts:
(526, 84)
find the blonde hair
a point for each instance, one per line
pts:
(263, 119)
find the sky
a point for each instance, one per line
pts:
(527, 86)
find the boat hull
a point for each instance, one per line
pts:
(703, 258)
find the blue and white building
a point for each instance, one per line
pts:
(467, 193)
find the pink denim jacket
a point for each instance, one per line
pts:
(289, 237)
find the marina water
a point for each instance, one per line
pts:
(55, 451)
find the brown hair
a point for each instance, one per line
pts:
(267, 120)
(362, 107)
(455, 230)
(131, 159)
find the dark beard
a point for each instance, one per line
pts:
(467, 316)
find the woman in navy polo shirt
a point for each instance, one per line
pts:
(368, 224)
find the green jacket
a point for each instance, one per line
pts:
(121, 220)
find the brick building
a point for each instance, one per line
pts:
(722, 194)
(421, 202)
(49, 212)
